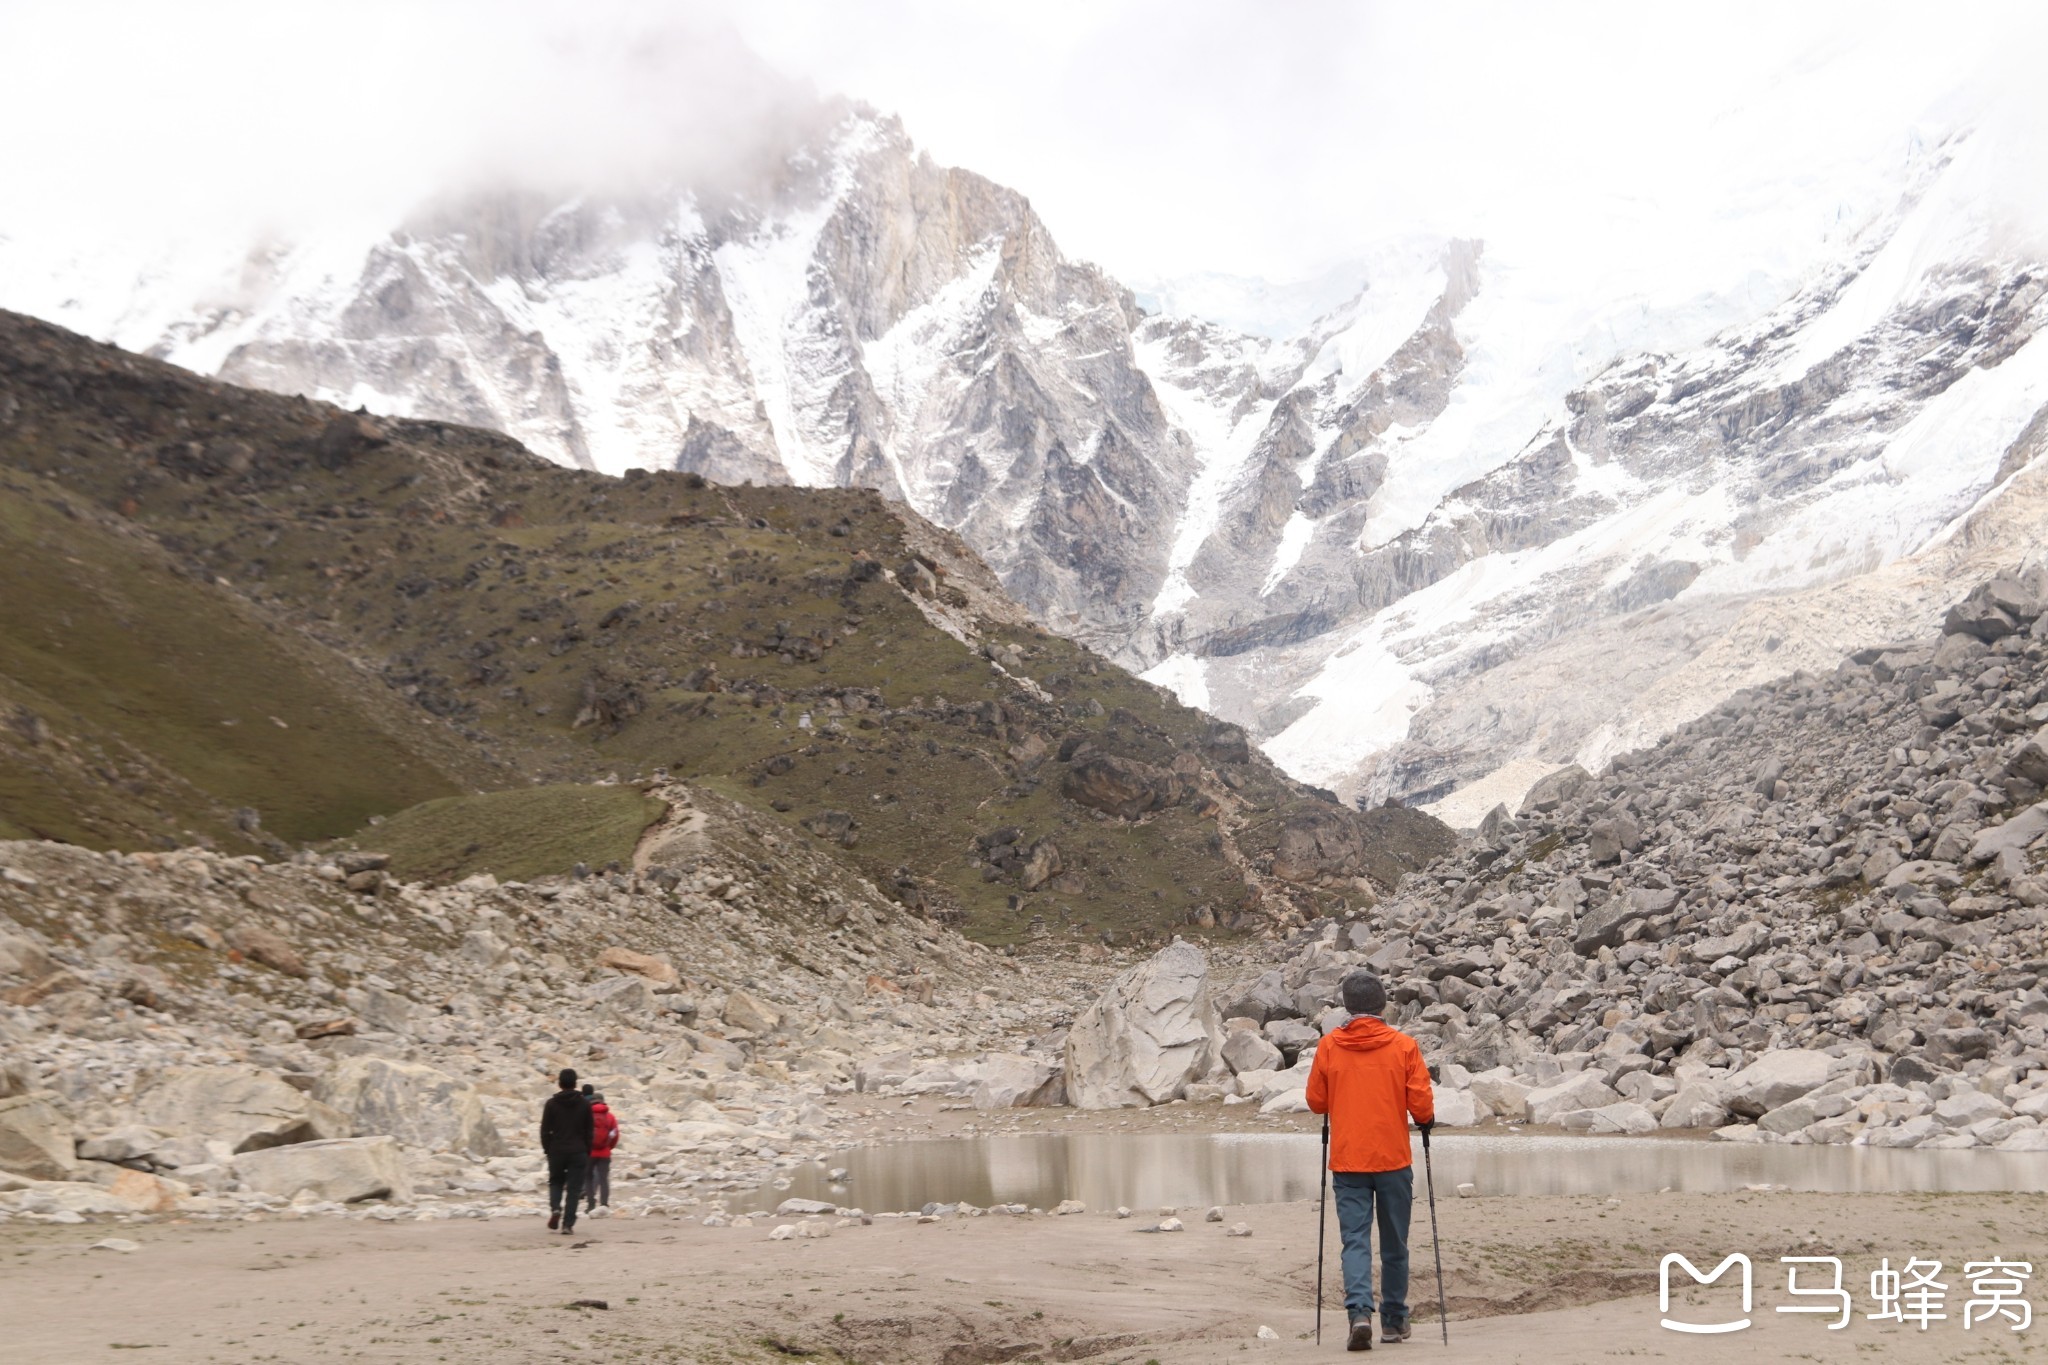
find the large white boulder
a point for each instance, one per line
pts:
(129, 1142)
(1580, 1090)
(35, 1140)
(751, 1013)
(1285, 1102)
(1501, 1093)
(1244, 1050)
(412, 1102)
(341, 1169)
(243, 1106)
(1010, 1080)
(627, 1000)
(1776, 1078)
(1155, 1029)
(1697, 1105)
(1456, 1108)
(66, 1196)
(1621, 1117)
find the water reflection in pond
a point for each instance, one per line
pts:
(1198, 1169)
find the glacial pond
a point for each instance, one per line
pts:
(1145, 1171)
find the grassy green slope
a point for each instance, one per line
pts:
(518, 834)
(546, 625)
(146, 705)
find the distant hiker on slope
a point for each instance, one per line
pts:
(565, 1132)
(1369, 1079)
(604, 1135)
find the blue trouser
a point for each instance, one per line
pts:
(1360, 1196)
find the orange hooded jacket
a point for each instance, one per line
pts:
(1369, 1077)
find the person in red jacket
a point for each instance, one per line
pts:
(1368, 1078)
(604, 1135)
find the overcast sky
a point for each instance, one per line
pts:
(1157, 138)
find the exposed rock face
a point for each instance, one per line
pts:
(658, 970)
(1009, 1080)
(242, 1106)
(259, 944)
(35, 1140)
(1551, 792)
(1123, 787)
(416, 1104)
(1776, 1078)
(1337, 844)
(1154, 1030)
(862, 316)
(744, 1011)
(344, 1170)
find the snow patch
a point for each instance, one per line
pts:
(1294, 539)
(1185, 676)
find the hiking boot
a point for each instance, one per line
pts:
(1361, 1333)
(1394, 1331)
(554, 1219)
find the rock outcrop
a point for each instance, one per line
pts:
(341, 1170)
(1123, 787)
(35, 1141)
(412, 1102)
(1152, 1032)
(244, 1107)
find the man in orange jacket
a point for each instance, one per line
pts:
(1369, 1080)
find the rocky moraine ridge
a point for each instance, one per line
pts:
(1817, 914)
(215, 1036)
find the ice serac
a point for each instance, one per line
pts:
(1154, 1029)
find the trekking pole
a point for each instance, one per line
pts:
(1436, 1243)
(1322, 1222)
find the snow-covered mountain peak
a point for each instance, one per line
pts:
(1478, 507)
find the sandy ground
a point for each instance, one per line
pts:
(1560, 1279)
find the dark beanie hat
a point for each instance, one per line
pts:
(567, 1080)
(1364, 994)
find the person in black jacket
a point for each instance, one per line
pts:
(565, 1133)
